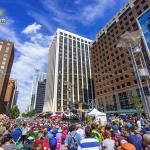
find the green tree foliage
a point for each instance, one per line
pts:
(14, 112)
(29, 114)
(136, 100)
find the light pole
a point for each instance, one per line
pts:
(132, 41)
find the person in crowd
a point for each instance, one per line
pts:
(52, 140)
(134, 139)
(124, 145)
(80, 130)
(115, 128)
(96, 134)
(139, 124)
(89, 142)
(73, 138)
(108, 142)
(146, 141)
(24, 136)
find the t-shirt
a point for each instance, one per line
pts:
(88, 144)
(135, 140)
(81, 132)
(69, 137)
(24, 131)
(139, 124)
(109, 144)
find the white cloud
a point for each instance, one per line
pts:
(33, 28)
(93, 11)
(84, 14)
(32, 52)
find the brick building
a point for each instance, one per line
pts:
(112, 68)
(6, 61)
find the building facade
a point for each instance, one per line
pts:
(6, 61)
(40, 96)
(69, 72)
(112, 68)
(38, 78)
(15, 99)
(10, 94)
(144, 25)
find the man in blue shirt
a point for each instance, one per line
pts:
(134, 139)
(89, 143)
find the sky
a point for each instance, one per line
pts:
(31, 24)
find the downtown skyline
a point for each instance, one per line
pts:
(32, 29)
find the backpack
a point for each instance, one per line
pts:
(73, 143)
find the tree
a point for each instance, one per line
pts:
(136, 100)
(29, 114)
(14, 112)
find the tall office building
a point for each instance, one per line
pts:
(69, 72)
(41, 87)
(144, 25)
(38, 78)
(15, 99)
(6, 61)
(112, 67)
(10, 94)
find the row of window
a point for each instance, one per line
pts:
(72, 37)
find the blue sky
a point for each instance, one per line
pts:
(31, 25)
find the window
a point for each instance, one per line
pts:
(139, 12)
(118, 87)
(128, 83)
(130, 13)
(2, 67)
(131, 19)
(135, 81)
(1, 47)
(117, 79)
(61, 33)
(121, 78)
(126, 76)
(137, 7)
(123, 85)
(145, 7)
(8, 44)
(3, 62)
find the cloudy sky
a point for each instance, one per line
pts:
(31, 25)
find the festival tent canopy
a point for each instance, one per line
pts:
(95, 112)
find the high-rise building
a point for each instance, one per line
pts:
(41, 87)
(112, 67)
(6, 61)
(10, 94)
(69, 72)
(39, 77)
(144, 25)
(15, 99)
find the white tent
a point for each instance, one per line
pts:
(98, 116)
(95, 112)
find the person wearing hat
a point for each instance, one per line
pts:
(126, 146)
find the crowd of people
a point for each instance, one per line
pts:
(129, 132)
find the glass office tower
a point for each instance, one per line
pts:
(69, 72)
(144, 23)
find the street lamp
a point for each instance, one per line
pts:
(132, 41)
